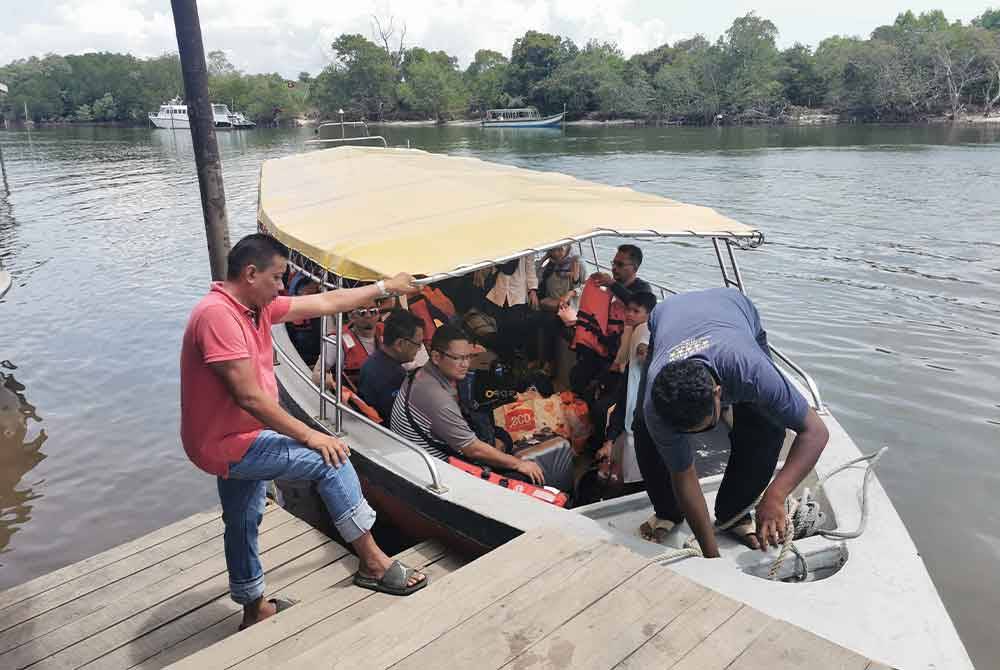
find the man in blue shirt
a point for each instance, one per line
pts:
(709, 350)
(382, 373)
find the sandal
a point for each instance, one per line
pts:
(280, 605)
(655, 529)
(394, 581)
(742, 530)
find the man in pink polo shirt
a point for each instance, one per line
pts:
(233, 427)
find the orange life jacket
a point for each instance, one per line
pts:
(433, 308)
(355, 353)
(559, 499)
(600, 320)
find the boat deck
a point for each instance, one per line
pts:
(544, 600)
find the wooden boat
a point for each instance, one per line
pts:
(363, 213)
(525, 117)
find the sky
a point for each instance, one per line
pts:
(291, 36)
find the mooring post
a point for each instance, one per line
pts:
(206, 147)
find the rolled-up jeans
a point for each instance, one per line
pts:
(275, 456)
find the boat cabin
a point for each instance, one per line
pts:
(520, 114)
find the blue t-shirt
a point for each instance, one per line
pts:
(721, 328)
(381, 377)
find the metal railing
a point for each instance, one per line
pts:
(738, 283)
(344, 139)
(337, 401)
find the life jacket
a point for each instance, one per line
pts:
(433, 308)
(355, 354)
(600, 320)
(557, 498)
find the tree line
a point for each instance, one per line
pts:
(918, 67)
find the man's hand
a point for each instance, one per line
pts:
(531, 470)
(334, 451)
(401, 284)
(602, 279)
(604, 453)
(770, 517)
(533, 298)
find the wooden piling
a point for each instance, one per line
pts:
(206, 147)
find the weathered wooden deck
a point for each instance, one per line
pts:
(544, 600)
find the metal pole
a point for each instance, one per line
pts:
(200, 118)
(323, 332)
(338, 416)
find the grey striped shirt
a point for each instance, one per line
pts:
(434, 408)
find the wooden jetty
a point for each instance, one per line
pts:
(544, 600)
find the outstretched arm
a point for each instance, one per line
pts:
(687, 490)
(344, 300)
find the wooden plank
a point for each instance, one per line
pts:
(114, 612)
(683, 634)
(616, 625)
(76, 609)
(786, 647)
(727, 642)
(138, 562)
(510, 625)
(50, 580)
(391, 635)
(336, 593)
(346, 618)
(208, 593)
(312, 570)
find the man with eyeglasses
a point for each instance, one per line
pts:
(707, 350)
(383, 373)
(427, 410)
(357, 340)
(624, 280)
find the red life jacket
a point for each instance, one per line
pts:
(432, 307)
(600, 320)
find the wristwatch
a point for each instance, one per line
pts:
(380, 285)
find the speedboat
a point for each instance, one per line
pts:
(240, 122)
(524, 117)
(174, 115)
(354, 214)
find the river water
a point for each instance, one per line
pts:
(880, 276)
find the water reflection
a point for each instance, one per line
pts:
(19, 453)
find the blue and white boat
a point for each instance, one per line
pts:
(524, 117)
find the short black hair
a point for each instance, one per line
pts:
(644, 299)
(682, 393)
(445, 335)
(258, 250)
(400, 325)
(634, 253)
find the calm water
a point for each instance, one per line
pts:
(880, 275)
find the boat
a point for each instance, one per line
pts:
(524, 117)
(353, 214)
(240, 122)
(174, 115)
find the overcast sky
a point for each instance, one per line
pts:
(289, 36)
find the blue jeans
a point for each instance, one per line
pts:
(275, 456)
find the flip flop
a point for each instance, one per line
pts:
(394, 581)
(655, 529)
(743, 529)
(280, 605)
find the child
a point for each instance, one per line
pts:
(619, 445)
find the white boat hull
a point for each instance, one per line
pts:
(169, 123)
(547, 122)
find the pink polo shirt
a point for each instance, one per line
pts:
(214, 429)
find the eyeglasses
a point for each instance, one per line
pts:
(368, 311)
(413, 342)
(620, 264)
(467, 358)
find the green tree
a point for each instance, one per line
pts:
(752, 66)
(104, 108)
(689, 88)
(362, 79)
(534, 58)
(486, 79)
(432, 84)
(800, 77)
(990, 20)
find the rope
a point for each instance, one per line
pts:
(801, 518)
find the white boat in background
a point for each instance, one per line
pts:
(240, 122)
(525, 117)
(174, 115)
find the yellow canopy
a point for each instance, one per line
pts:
(366, 213)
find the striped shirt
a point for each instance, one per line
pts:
(435, 411)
